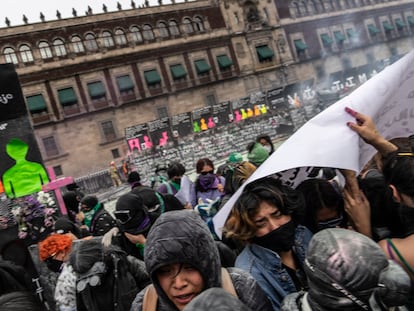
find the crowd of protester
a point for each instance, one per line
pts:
(324, 245)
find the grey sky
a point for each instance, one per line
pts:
(31, 8)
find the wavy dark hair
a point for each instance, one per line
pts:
(398, 168)
(318, 194)
(203, 162)
(240, 224)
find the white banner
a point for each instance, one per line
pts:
(326, 140)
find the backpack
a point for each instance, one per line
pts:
(149, 302)
(117, 291)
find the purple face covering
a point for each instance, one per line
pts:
(208, 181)
(141, 228)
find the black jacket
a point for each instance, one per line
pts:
(102, 222)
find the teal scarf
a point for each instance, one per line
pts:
(89, 215)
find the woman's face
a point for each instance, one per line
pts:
(263, 142)
(326, 214)
(181, 283)
(207, 169)
(269, 218)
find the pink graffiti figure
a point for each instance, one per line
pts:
(148, 143)
(134, 143)
(237, 116)
(163, 139)
(210, 123)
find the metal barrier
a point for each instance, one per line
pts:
(96, 182)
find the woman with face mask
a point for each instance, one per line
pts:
(55, 251)
(266, 219)
(208, 185)
(266, 142)
(94, 216)
(324, 204)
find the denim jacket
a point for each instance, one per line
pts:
(266, 266)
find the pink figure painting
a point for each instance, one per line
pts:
(163, 139)
(147, 141)
(210, 123)
(237, 116)
(134, 144)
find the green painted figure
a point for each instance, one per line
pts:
(196, 127)
(25, 177)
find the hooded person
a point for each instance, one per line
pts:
(99, 278)
(183, 261)
(348, 271)
(95, 217)
(134, 179)
(135, 212)
(71, 200)
(134, 221)
(257, 154)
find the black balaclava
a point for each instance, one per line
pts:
(139, 221)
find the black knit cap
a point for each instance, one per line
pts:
(90, 201)
(133, 177)
(64, 225)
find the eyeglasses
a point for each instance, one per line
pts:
(205, 173)
(123, 216)
(93, 276)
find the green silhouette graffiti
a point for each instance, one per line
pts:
(25, 177)
(196, 127)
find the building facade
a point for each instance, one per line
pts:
(88, 78)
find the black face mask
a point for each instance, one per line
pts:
(279, 240)
(54, 264)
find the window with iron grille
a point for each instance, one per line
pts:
(108, 130)
(50, 146)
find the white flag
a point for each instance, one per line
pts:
(327, 141)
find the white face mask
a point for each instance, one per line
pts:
(268, 148)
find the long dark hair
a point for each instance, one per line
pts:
(318, 194)
(240, 224)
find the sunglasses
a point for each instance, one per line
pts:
(205, 173)
(123, 216)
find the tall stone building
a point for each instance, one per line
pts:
(343, 38)
(87, 78)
